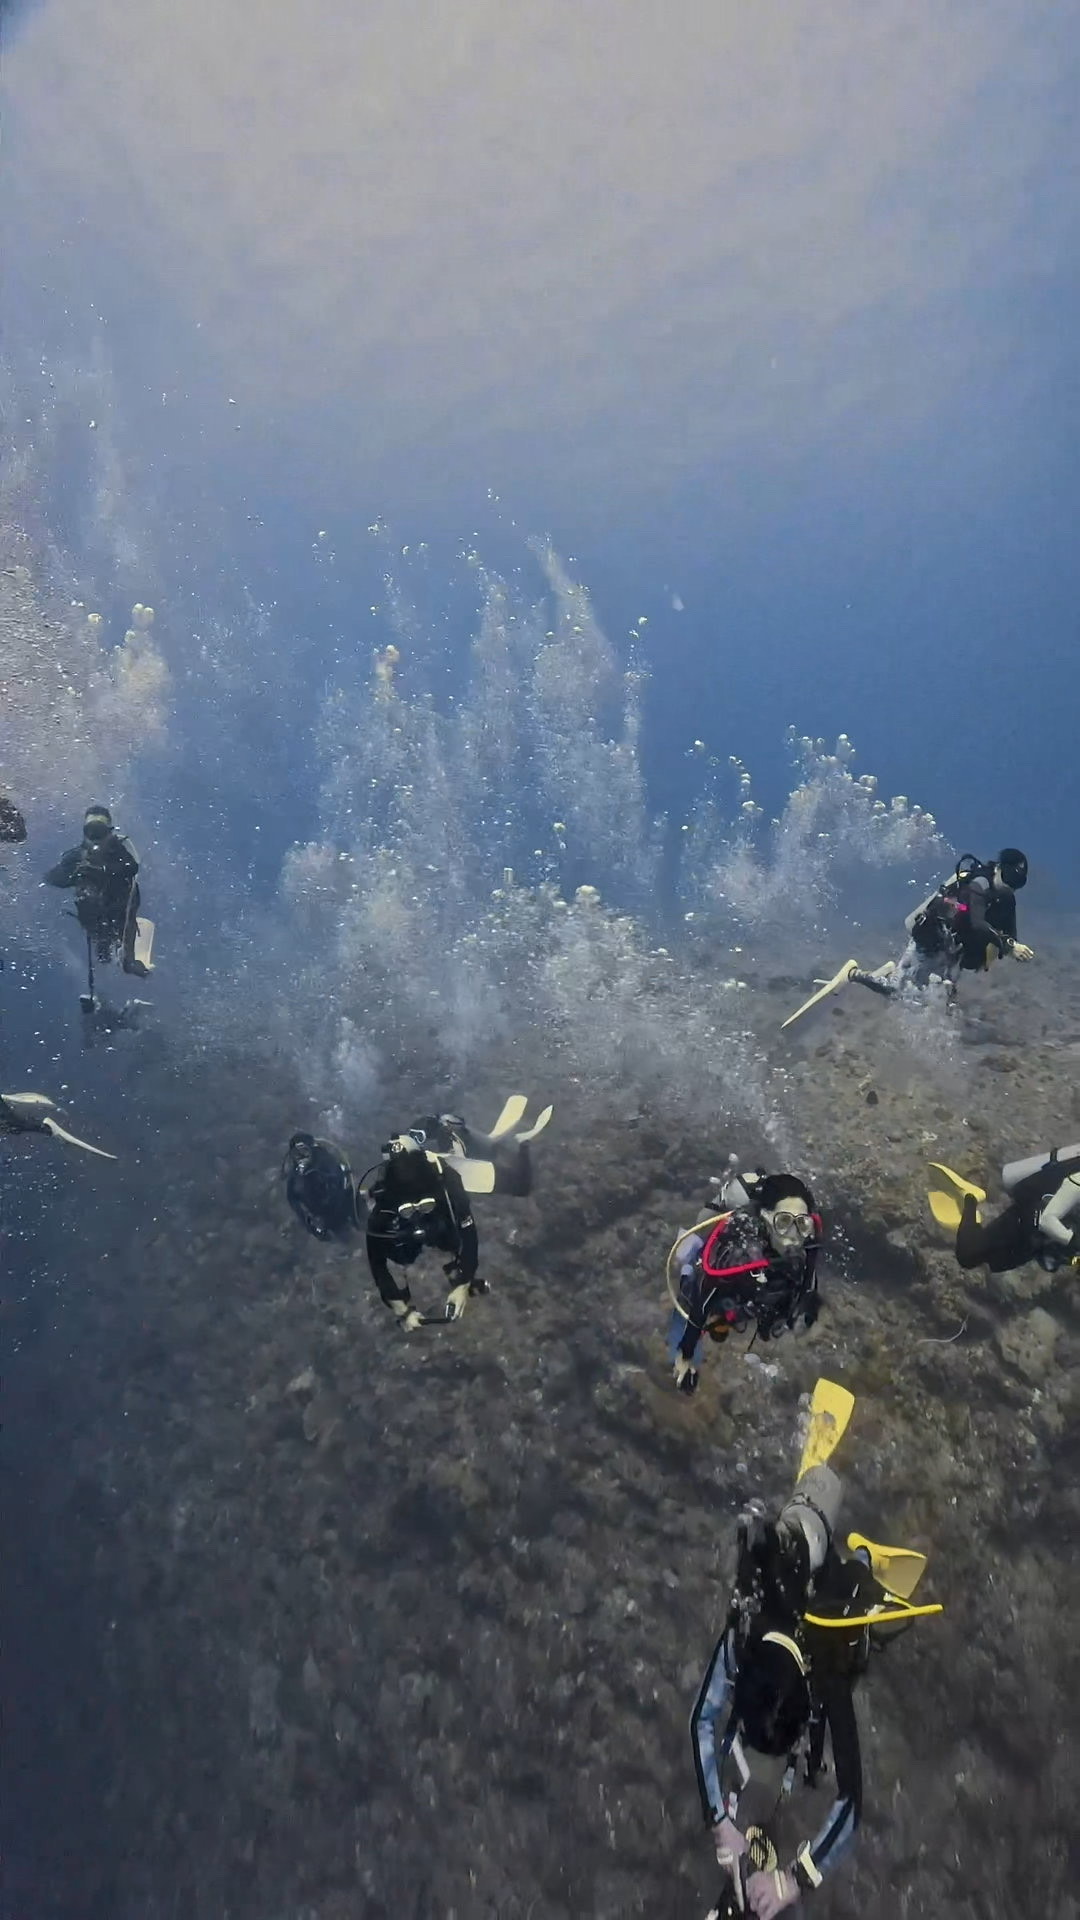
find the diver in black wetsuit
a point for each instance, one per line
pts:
(103, 871)
(969, 921)
(1041, 1221)
(319, 1187)
(419, 1197)
(418, 1200)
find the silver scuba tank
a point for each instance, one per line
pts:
(1017, 1170)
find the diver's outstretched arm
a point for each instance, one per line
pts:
(66, 871)
(1055, 1216)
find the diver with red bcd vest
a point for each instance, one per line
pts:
(754, 1262)
(966, 924)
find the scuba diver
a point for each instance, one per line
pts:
(103, 871)
(419, 1197)
(966, 924)
(12, 824)
(1041, 1221)
(319, 1187)
(417, 1200)
(36, 1113)
(756, 1260)
(801, 1623)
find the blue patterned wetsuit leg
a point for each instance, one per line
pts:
(684, 1336)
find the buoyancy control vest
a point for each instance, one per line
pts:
(322, 1194)
(941, 922)
(738, 1278)
(1033, 1192)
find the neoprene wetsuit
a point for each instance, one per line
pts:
(732, 1274)
(398, 1235)
(321, 1193)
(952, 935)
(1041, 1222)
(103, 875)
(726, 1768)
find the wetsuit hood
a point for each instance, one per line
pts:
(777, 1187)
(97, 824)
(1013, 867)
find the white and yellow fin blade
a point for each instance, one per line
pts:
(144, 944)
(839, 979)
(512, 1112)
(898, 1568)
(831, 1408)
(538, 1126)
(477, 1176)
(61, 1133)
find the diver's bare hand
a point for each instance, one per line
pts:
(728, 1841)
(771, 1893)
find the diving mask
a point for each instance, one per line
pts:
(792, 1220)
(790, 1225)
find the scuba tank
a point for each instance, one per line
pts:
(1018, 1175)
(931, 924)
(1031, 1184)
(732, 1191)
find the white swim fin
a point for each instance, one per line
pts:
(477, 1176)
(144, 944)
(61, 1133)
(510, 1115)
(36, 1110)
(537, 1127)
(839, 979)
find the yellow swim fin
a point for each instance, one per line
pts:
(898, 1568)
(946, 1210)
(839, 979)
(538, 1126)
(510, 1115)
(945, 1207)
(831, 1408)
(957, 1179)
